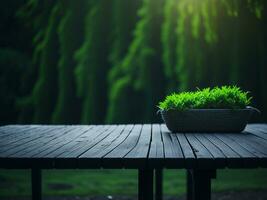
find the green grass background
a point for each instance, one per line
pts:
(120, 182)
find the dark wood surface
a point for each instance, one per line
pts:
(129, 146)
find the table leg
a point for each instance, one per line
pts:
(189, 185)
(36, 176)
(159, 183)
(145, 184)
(202, 184)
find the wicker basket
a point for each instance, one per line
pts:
(207, 120)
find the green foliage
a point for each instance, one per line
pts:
(45, 90)
(225, 97)
(67, 108)
(124, 17)
(92, 62)
(142, 66)
(37, 15)
(122, 57)
(121, 88)
(169, 42)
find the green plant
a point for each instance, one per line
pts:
(225, 97)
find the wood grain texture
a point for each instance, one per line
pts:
(142, 146)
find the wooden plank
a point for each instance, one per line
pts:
(251, 146)
(218, 155)
(156, 149)
(261, 127)
(254, 139)
(142, 145)
(255, 148)
(233, 159)
(89, 135)
(249, 159)
(88, 141)
(62, 136)
(172, 150)
(116, 152)
(119, 136)
(204, 158)
(14, 128)
(189, 155)
(69, 158)
(128, 144)
(35, 146)
(20, 144)
(108, 143)
(53, 145)
(137, 157)
(156, 152)
(17, 134)
(257, 132)
(3, 127)
(9, 130)
(29, 135)
(23, 145)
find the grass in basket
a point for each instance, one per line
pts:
(225, 97)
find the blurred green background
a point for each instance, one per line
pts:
(17, 183)
(112, 61)
(97, 61)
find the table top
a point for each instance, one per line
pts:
(129, 146)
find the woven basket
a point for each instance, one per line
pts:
(207, 120)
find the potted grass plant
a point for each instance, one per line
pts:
(220, 109)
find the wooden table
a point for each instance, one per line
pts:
(148, 148)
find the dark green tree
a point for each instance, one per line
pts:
(36, 15)
(126, 62)
(124, 17)
(45, 90)
(142, 81)
(169, 43)
(93, 62)
(70, 33)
